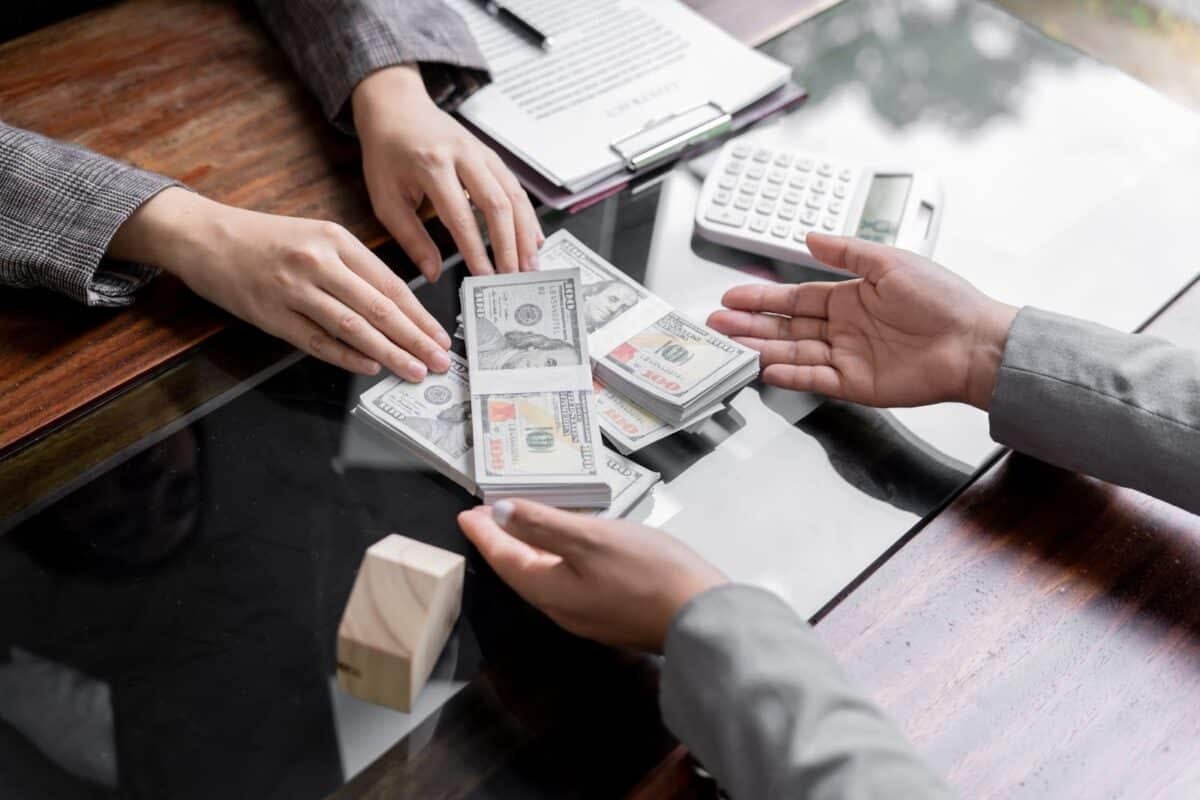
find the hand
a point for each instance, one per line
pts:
(412, 150)
(616, 582)
(906, 332)
(309, 282)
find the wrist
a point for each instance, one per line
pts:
(383, 91)
(170, 231)
(987, 352)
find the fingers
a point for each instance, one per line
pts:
(342, 322)
(767, 326)
(305, 335)
(533, 573)
(447, 195)
(794, 300)
(820, 379)
(854, 255)
(362, 261)
(803, 352)
(556, 531)
(406, 228)
(382, 313)
(493, 200)
(528, 228)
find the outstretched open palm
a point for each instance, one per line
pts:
(905, 332)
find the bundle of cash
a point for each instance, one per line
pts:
(643, 349)
(533, 409)
(432, 420)
(629, 427)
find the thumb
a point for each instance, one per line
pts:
(553, 530)
(865, 259)
(410, 233)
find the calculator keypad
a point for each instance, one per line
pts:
(779, 195)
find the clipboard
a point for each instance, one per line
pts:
(647, 151)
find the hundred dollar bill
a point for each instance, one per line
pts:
(628, 426)
(432, 420)
(533, 408)
(641, 347)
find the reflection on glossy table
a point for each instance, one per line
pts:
(192, 583)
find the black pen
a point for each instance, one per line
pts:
(517, 23)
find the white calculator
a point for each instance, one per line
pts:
(766, 200)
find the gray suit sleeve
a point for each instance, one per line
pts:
(1121, 407)
(59, 208)
(757, 698)
(334, 44)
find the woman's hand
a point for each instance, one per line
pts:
(412, 150)
(616, 582)
(906, 332)
(309, 282)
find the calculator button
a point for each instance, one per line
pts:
(783, 159)
(726, 216)
(809, 217)
(765, 206)
(846, 174)
(749, 187)
(820, 186)
(741, 150)
(756, 172)
(814, 202)
(829, 223)
(743, 202)
(762, 156)
(798, 182)
(839, 191)
(734, 167)
(792, 197)
(722, 197)
(777, 176)
(727, 181)
(770, 192)
(825, 170)
(804, 164)
(758, 224)
(780, 229)
(835, 206)
(801, 233)
(787, 212)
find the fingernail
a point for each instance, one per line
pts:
(442, 338)
(502, 512)
(431, 269)
(372, 368)
(414, 371)
(440, 361)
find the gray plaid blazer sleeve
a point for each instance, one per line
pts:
(334, 44)
(59, 207)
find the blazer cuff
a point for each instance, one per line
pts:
(87, 276)
(365, 40)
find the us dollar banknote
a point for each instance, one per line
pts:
(644, 349)
(432, 420)
(532, 403)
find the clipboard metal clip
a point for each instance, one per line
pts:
(669, 136)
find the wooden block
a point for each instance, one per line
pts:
(404, 603)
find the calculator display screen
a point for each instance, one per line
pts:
(884, 208)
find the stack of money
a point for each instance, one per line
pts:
(642, 349)
(533, 409)
(432, 420)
